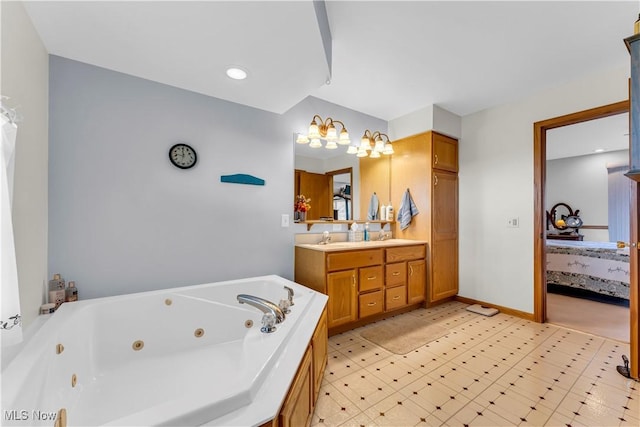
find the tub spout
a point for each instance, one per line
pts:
(263, 305)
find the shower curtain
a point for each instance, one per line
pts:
(10, 318)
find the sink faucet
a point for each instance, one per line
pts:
(326, 238)
(272, 313)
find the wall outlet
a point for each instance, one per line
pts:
(284, 221)
(513, 222)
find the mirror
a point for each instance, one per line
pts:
(329, 193)
(321, 161)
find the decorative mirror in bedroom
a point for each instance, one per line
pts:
(563, 223)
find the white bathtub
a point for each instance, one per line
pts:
(230, 375)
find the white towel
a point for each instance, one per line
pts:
(372, 213)
(408, 210)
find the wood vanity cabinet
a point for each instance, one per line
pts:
(300, 401)
(427, 165)
(297, 409)
(364, 285)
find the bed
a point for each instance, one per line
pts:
(592, 270)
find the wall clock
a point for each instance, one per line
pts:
(183, 156)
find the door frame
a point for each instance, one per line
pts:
(539, 166)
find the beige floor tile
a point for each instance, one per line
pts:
(549, 376)
(432, 396)
(360, 420)
(591, 413)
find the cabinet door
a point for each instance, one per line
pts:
(445, 153)
(444, 242)
(319, 345)
(343, 302)
(298, 407)
(416, 281)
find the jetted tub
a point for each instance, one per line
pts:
(181, 356)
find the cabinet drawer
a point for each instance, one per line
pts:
(404, 253)
(396, 297)
(353, 259)
(370, 278)
(396, 274)
(371, 303)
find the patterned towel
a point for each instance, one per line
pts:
(372, 213)
(408, 210)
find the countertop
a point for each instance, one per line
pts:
(373, 244)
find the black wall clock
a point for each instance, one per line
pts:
(183, 156)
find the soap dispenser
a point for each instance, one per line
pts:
(389, 212)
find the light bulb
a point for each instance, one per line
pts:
(344, 138)
(314, 132)
(315, 143)
(332, 135)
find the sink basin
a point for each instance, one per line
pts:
(363, 244)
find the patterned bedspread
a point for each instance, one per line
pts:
(593, 266)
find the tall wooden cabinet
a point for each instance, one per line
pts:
(427, 166)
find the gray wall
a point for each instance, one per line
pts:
(122, 219)
(582, 182)
(25, 79)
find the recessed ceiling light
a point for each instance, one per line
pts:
(236, 73)
(598, 150)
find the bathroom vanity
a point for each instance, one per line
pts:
(365, 281)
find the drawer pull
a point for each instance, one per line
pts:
(397, 297)
(410, 270)
(395, 273)
(371, 304)
(436, 159)
(372, 277)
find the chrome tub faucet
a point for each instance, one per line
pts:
(272, 313)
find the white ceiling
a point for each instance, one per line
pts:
(608, 134)
(389, 58)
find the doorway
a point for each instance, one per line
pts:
(541, 219)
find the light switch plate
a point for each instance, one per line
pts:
(284, 221)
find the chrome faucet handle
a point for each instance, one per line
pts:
(291, 294)
(326, 238)
(268, 323)
(284, 306)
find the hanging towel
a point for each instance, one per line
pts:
(408, 210)
(372, 213)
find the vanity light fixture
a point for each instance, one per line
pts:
(236, 73)
(326, 130)
(373, 144)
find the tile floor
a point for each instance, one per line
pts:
(488, 371)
